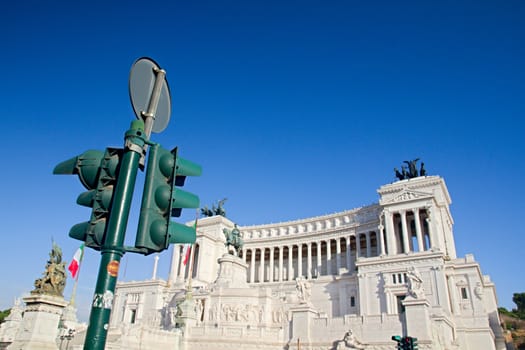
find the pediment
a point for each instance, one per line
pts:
(408, 195)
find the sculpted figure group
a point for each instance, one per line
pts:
(409, 170)
(215, 210)
(349, 342)
(54, 280)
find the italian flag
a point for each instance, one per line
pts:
(186, 254)
(186, 249)
(74, 266)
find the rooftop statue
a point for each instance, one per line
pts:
(215, 210)
(234, 240)
(54, 280)
(409, 170)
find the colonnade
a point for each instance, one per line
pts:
(400, 231)
(407, 230)
(309, 259)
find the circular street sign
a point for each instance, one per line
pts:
(142, 78)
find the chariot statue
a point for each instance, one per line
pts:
(215, 210)
(54, 280)
(409, 170)
(234, 240)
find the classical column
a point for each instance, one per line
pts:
(338, 255)
(433, 240)
(381, 239)
(261, 266)
(420, 241)
(290, 259)
(348, 255)
(368, 244)
(357, 246)
(300, 260)
(281, 263)
(319, 261)
(252, 266)
(270, 275)
(406, 246)
(328, 258)
(309, 260)
(390, 233)
(175, 261)
(182, 269)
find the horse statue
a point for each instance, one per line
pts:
(234, 240)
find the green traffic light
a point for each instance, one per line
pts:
(86, 165)
(179, 233)
(162, 199)
(98, 173)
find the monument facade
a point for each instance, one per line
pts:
(348, 280)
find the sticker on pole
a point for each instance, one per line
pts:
(113, 268)
(103, 301)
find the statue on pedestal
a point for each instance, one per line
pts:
(234, 241)
(54, 280)
(415, 283)
(303, 290)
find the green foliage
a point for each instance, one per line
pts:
(519, 300)
(4, 314)
(503, 310)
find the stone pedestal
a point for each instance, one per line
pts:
(232, 272)
(9, 329)
(39, 328)
(188, 314)
(417, 318)
(302, 325)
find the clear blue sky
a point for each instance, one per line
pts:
(293, 108)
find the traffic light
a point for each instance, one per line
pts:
(399, 341)
(98, 172)
(413, 343)
(162, 199)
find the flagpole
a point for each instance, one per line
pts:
(74, 291)
(192, 253)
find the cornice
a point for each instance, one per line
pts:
(333, 224)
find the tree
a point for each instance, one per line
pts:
(519, 300)
(4, 314)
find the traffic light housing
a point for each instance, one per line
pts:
(162, 199)
(412, 343)
(98, 172)
(399, 341)
(405, 343)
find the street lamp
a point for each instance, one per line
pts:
(68, 336)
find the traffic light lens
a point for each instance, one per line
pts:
(163, 197)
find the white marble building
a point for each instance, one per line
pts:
(368, 273)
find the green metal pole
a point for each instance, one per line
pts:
(113, 248)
